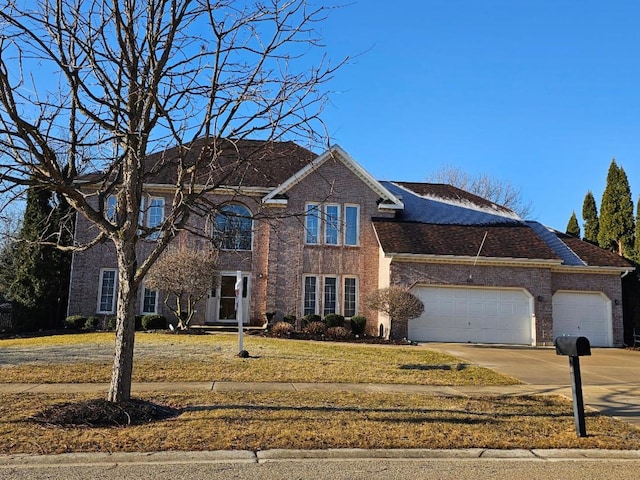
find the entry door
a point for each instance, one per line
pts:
(221, 307)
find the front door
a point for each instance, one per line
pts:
(221, 305)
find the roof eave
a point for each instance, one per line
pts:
(466, 260)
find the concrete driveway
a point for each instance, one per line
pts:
(610, 376)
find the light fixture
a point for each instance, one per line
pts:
(540, 298)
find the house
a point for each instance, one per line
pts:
(315, 234)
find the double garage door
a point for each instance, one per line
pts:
(476, 315)
(505, 315)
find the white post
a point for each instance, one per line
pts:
(239, 309)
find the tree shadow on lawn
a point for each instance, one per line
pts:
(99, 413)
(458, 367)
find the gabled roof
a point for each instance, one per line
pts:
(444, 221)
(387, 199)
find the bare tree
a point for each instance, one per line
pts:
(96, 85)
(185, 275)
(497, 191)
(398, 303)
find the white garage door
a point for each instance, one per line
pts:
(587, 314)
(478, 315)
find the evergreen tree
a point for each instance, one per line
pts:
(590, 217)
(573, 228)
(637, 239)
(38, 273)
(616, 213)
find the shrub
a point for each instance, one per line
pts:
(111, 323)
(154, 322)
(311, 317)
(315, 328)
(281, 329)
(334, 320)
(75, 322)
(290, 319)
(92, 323)
(358, 324)
(338, 332)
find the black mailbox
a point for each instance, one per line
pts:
(572, 346)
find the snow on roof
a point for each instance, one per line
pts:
(549, 236)
(459, 209)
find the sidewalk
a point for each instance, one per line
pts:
(495, 390)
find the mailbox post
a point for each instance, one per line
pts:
(574, 348)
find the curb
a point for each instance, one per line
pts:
(282, 455)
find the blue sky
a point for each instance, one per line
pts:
(541, 94)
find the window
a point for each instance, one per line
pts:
(330, 295)
(323, 223)
(232, 228)
(149, 301)
(351, 225)
(112, 208)
(350, 296)
(332, 224)
(312, 224)
(310, 295)
(155, 215)
(107, 291)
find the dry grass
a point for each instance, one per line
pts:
(256, 421)
(159, 357)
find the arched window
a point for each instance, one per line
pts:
(232, 228)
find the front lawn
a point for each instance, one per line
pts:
(159, 357)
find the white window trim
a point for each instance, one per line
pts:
(155, 307)
(115, 290)
(326, 223)
(147, 215)
(344, 294)
(317, 214)
(344, 238)
(304, 291)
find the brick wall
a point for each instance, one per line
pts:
(540, 282)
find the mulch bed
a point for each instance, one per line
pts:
(102, 413)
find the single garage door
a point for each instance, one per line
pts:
(587, 314)
(477, 315)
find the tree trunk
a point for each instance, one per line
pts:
(120, 389)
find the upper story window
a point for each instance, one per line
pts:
(111, 209)
(332, 224)
(232, 228)
(155, 215)
(312, 223)
(351, 225)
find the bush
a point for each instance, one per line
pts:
(315, 328)
(75, 322)
(281, 329)
(358, 324)
(92, 323)
(111, 323)
(334, 320)
(338, 332)
(290, 319)
(154, 322)
(311, 317)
